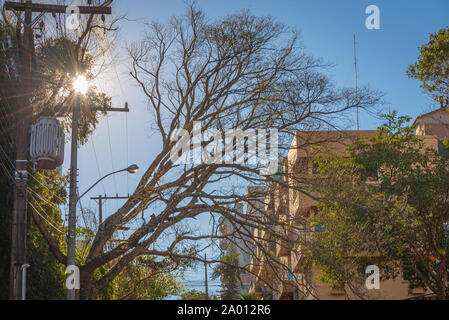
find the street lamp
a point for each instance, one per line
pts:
(131, 169)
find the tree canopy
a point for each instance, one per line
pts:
(432, 67)
(384, 203)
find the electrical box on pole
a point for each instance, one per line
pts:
(47, 143)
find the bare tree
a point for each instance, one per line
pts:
(238, 72)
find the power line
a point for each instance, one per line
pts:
(110, 153)
(42, 216)
(47, 188)
(7, 158)
(127, 152)
(114, 65)
(7, 172)
(97, 163)
(43, 199)
(110, 144)
(6, 126)
(81, 208)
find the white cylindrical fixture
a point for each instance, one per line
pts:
(47, 143)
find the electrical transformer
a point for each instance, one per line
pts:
(47, 143)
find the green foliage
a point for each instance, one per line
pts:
(6, 202)
(396, 221)
(6, 157)
(228, 271)
(196, 295)
(56, 62)
(46, 276)
(432, 67)
(59, 64)
(144, 279)
(249, 296)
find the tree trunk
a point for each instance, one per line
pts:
(444, 283)
(88, 291)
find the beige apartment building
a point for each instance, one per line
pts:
(287, 279)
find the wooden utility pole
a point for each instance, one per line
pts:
(100, 204)
(24, 114)
(205, 277)
(356, 83)
(73, 194)
(19, 218)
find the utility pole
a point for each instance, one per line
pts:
(26, 72)
(100, 212)
(356, 83)
(100, 204)
(73, 196)
(19, 218)
(205, 276)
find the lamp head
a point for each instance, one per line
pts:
(133, 168)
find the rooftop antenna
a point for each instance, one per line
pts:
(356, 86)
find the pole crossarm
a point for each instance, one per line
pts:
(110, 198)
(125, 109)
(100, 207)
(51, 8)
(112, 109)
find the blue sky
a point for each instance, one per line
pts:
(327, 28)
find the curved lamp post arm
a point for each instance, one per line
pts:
(109, 174)
(131, 169)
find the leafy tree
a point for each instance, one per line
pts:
(146, 279)
(432, 67)
(249, 296)
(6, 156)
(46, 276)
(196, 295)
(228, 270)
(397, 220)
(52, 95)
